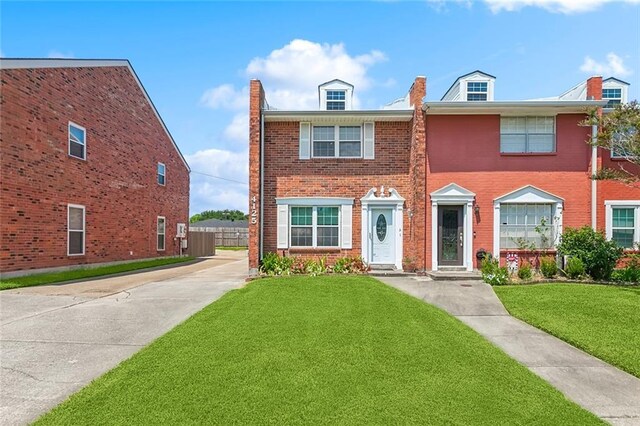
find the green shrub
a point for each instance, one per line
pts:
(548, 267)
(492, 272)
(349, 265)
(630, 273)
(274, 264)
(524, 272)
(574, 268)
(598, 255)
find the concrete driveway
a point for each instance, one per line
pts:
(56, 339)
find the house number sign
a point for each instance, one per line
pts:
(254, 211)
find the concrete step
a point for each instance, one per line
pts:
(454, 275)
(390, 273)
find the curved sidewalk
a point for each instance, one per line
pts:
(610, 393)
(55, 339)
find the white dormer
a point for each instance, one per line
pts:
(335, 95)
(614, 90)
(472, 87)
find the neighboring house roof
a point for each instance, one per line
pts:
(219, 223)
(33, 63)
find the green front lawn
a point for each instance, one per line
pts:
(88, 272)
(319, 350)
(601, 320)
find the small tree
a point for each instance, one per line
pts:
(619, 132)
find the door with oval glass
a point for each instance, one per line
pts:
(382, 231)
(450, 238)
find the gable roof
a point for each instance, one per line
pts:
(34, 63)
(463, 76)
(334, 80)
(616, 79)
(220, 223)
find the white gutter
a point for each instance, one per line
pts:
(594, 171)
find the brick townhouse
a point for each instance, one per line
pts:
(427, 185)
(90, 173)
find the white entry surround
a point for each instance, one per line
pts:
(378, 199)
(527, 195)
(453, 195)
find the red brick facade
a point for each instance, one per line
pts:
(117, 183)
(424, 155)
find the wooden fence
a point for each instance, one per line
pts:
(227, 237)
(200, 244)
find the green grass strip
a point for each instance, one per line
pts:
(88, 272)
(231, 248)
(319, 350)
(601, 320)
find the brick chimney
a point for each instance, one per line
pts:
(594, 88)
(416, 201)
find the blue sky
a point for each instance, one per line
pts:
(195, 58)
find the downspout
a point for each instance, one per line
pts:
(594, 171)
(261, 184)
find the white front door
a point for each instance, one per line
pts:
(382, 228)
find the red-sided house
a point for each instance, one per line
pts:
(90, 173)
(430, 184)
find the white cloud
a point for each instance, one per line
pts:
(59, 55)
(227, 97)
(614, 65)
(238, 129)
(209, 193)
(555, 6)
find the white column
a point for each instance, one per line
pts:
(496, 230)
(434, 236)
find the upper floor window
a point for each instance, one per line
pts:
(161, 174)
(77, 141)
(337, 141)
(527, 134)
(614, 96)
(477, 91)
(336, 100)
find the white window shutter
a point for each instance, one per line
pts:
(347, 213)
(305, 141)
(283, 226)
(369, 141)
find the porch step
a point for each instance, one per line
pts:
(448, 275)
(390, 273)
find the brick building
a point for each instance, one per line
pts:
(90, 173)
(427, 185)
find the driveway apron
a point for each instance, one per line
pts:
(54, 342)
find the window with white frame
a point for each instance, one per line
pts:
(77, 141)
(75, 229)
(337, 141)
(527, 134)
(623, 226)
(336, 100)
(161, 228)
(477, 90)
(526, 224)
(161, 174)
(614, 96)
(312, 226)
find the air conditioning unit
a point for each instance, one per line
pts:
(182, 230)
(183, 244)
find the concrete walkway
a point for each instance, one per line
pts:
(606, 391)
(55, 339)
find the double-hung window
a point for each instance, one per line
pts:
(75, 230)
(314, 226)
(162, 171)
(77, 141)
(337, 141)
(477, 91)
(160, 232)
(518, 223)
(336, 100)
(622, 220)
(527, 135)
(614, 96)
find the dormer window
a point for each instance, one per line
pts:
(614, 96)
(336, 100)
(477, 91)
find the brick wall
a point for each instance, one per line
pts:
(117, 182)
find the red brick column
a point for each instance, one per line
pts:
(256, 99)
(417, 174)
